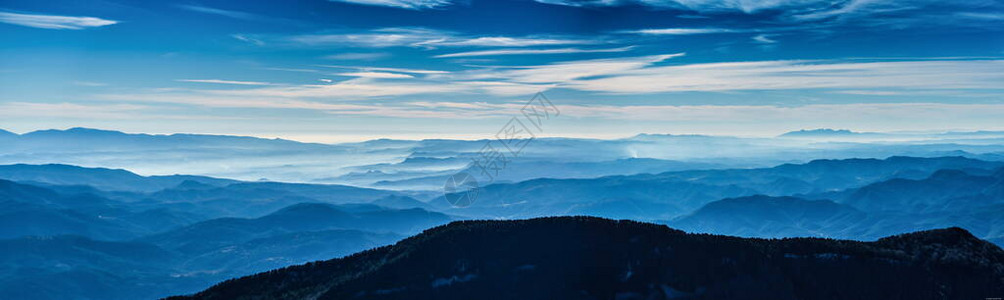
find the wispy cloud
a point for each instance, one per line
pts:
(787, 75)
(384, 37)
(764, 39)
(220, 81)
(511, 42)
(53, 22)
(427, 38)
(384, 87)
(695, 5)
(248, 39)
(406, 4)
(223, 12)
(223, 101)
(532, 51)
(384, 75)
(982, 15)
(885, 14)
(569, 71)
(358, 56)
(358, 88)
(680, 31)
(385, 69)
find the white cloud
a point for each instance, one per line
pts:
(512, 42)
(427, 38)
(564, 72)
(220, 81)
(298, 70)
(358, 56)
(379, 38)
(251, 101)
(376, 75)
(764, 39)
(880, 14)
(385, 87)
(222, 12)
(532, 51)
(748, 6)
(383, 69)
(248, 39)
(406, 4)
(464, 105)
(359, 88)
(501, 88)
(53, 22)
(680, 31)
(982, 16)
(910, 115)
(781, 75)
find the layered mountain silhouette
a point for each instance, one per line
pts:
(422, 164)
(100, 178)
(822, 132)
(112, 234)
(946, 198)
(772, 217)
(593, 258)
(945, 190)
(672, 194)
(304, 217)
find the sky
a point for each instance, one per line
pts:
(350, 70)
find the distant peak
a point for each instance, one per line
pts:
(820, 132)
(79, 131)
(6, 133)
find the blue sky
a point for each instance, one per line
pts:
(358, 69)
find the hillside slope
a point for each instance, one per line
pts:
(593, 258)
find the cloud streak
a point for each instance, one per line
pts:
(426, 38)
(650, 74)
(222, 12)
(532, 52)
(384, 75)
(383, 69)
(53, 21)
(680, 31)
(405, 4)
(220, 81)
(788, 75)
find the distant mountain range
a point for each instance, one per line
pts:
(591, 258)
(62, 238)
(424, 164)
(56, 247)
(824, 132)
(100, 178)
(972, 199)
(98, 233)
(671, 194)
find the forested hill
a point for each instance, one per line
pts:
(594, 258)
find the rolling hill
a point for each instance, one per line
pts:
(591, 258)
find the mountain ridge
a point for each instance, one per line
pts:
(586, 257)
